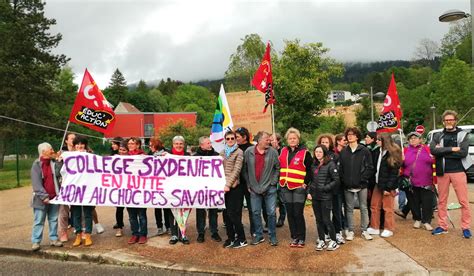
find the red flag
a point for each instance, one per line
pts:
(391, 115)
(262, 80)
(91, 109)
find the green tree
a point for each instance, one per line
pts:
(168, 87)
(65, 89)
(458, 32)
(139, 97)
(415, 105)
(157, 101)
(117, 90)
(302, 83)
(453, 87)
(27, 68)
(244, 62)
(192, 98)
(191, 134)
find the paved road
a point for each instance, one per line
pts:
(15, 265)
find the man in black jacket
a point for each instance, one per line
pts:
(205, 149)
(356, 168)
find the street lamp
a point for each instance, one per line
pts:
(454, 15)
(433, 107)
(371, 95)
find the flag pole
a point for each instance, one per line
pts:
(64, 136)
(273, 119)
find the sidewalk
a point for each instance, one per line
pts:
(409, 251)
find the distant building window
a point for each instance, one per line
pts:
(149, 130)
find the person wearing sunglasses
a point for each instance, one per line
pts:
(242, 136)
(450, 148)
(234, 193)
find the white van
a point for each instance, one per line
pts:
(470, 130)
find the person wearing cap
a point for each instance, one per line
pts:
(450, 147)
(420, 196)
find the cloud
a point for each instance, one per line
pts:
(193, 40)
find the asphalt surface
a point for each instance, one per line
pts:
(409, 251)
(17, 265)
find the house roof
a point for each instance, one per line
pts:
(124, 107)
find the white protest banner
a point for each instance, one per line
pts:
(169, 181)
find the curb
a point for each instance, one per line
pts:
(116, 257)
(120, 258)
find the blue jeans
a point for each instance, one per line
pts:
(270, 198)
(402, 198)
(79, 212)
(52, 211)
(138, 221)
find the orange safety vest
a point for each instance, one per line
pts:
(292, 175)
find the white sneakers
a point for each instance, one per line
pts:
(320, 245)
(340, 238)
(331, 246)
(349, 235)
(373, 231)
(386, 233)
(428, 226)
(417, 224)
(366, 236)
(99, 228)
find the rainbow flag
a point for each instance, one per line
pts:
(222, 121)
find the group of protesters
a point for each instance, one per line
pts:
(342, 172)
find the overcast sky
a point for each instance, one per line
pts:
(193, 40)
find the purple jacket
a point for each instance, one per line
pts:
(423, 173)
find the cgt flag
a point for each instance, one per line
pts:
(262, 80)
(391, 115)
(91, 109)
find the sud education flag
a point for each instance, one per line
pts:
(263, 81)
(391, 115)
(91, 109)
(222, 121)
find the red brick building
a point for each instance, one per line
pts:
(131, 122)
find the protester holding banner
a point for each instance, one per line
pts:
(205, 149)
(261, 170)
(420, 195)
(295, 162)
(115, 145)
(178, 232)
(242, 136)
(137, 216)
(355, 169)
(158, 149)
(234, 193)
(82, 212)
(122, 150)
(387, 168)
(45, 184)
(64, 219)
(324, 182)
